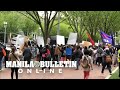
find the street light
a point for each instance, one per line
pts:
(5, 26)
(58, 31)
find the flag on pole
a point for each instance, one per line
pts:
(113, 41)
(91, 40)
(106, 38)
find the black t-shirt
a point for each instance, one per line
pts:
(78, 54)
(86, 51)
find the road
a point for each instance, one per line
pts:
(67, 73)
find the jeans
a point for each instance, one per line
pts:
(1, 63)
(78, 62)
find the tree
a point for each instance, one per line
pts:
(64, 29)
(45, 22)
(16, 22)
(76, 21)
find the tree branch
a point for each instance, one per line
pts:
(26, 16)
(51, 24)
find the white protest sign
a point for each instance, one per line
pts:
(60, 40)
(20, 40)
(72, 38)
(40, 41)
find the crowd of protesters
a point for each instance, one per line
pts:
(86, 57)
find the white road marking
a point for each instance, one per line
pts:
(112, 73)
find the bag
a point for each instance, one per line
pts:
(100, 51)
(108, 59)
(90, 52)
(85, 62)
(4, 52)
(15, 57)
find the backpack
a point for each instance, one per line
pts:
(100, 51)
(108, 58)
(90, 52)
(86, 61)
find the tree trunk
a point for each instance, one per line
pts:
(45, 37)
(79, 38)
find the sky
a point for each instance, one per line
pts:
(41, 13)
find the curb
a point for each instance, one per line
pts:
(112, 73)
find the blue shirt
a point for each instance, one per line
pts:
(68, 51)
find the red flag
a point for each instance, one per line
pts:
(91, 40)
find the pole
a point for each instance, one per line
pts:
(58, 31)
(5, 36)
(115, 39)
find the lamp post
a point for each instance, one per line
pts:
(58, 31)
(5, 26)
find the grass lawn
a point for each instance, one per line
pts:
(115, 75)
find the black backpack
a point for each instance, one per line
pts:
(90, 52)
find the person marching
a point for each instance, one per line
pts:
(99, 55)
(27, 53)
(107, 61)
(78, 56)
(14, 57)
(86, 64)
